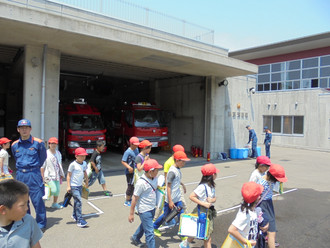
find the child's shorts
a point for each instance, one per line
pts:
(268, 208)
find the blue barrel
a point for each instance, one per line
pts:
(258, 151)
(233, 153)
(245, 152)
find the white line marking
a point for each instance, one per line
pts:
(237, 206)
(96, 208)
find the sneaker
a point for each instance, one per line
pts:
(184, 244)
(56, 205)
(108, 193)
(82, 223)
(127, 203)
(157, 233)
(74, 218)
(136, 242)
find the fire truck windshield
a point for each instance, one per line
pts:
(85, 122)
(148, 118)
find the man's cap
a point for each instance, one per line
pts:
(80, 151)
(247, 126)
(145, 143)
(251, 191)
(177, 148)
(180, 155)
(266, 127)
(134, 140)
(151, 164)
(53, 140)
(209, 169)
(24, 122)
(263, 160)
(278, 172)
(4, 140)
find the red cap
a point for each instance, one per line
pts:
(134, 140)
(151, 164)
(278, 172)
(145, 143)
(263, 160)
(180, 155)
(4, 140)
(80, 151)
(177, 148)
(53, 140)
(209, 169)
(251, 191)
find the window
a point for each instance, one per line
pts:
(294, 75)
(298, 125)
(288, 125)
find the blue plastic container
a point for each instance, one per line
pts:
(242, 153)
(233, 153)
(258, 151)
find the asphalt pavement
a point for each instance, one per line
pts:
(302, 212)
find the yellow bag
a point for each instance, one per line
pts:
(6, 177)
(232, 242)
(84, 192)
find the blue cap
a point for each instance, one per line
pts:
(265, 127)
(247, 126)
(24, 122)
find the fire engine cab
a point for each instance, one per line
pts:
(143, 120)
(80, 125)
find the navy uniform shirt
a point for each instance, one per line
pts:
(30, 153)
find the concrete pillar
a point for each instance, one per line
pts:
(215, 105)
(32, 90)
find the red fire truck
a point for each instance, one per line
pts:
(80, 125)
(143, 120)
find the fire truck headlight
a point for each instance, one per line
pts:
(73, 144)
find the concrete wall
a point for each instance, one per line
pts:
(232, 108)
(32, 90)
(184, 101)
(313, 104)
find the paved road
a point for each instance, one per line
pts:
(302, 213)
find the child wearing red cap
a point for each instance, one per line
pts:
(140, 159)
(167, 165)
(275, 173)
(144, 198)
(76, 175)
(173, 192)
(4, 157)
(128, 161)
(244, 229)
(204, 197)
(52, 170)
(262, 166)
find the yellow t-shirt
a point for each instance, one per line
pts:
(168, 164)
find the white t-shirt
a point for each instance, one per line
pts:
(201, 192)
(247, 224)
(146, 193)
(256, 176)
(77, 171)
(5, 156)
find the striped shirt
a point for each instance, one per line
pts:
(268, 188)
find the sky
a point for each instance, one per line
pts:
(240, 24)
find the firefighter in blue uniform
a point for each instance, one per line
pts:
(253, 138)
(268, 140)
(30, 154)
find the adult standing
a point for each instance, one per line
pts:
(268, 140)
(253, 138)
(30, 154)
